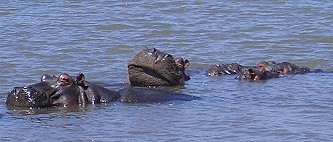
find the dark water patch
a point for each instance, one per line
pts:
(5, 13)
(114, 27)
(326, 40)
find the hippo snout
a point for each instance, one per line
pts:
(29, 96)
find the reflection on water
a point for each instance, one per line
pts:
(98, 38)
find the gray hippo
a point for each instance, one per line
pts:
(151, 67)
(67, 91)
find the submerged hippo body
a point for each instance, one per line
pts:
(151, 67)
(66, 91)
(148, 95)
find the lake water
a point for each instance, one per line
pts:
(99, 37)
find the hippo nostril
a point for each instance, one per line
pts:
(153, 50)
(168, 56)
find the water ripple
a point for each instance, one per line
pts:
(100, 37)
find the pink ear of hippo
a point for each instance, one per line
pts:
(64, 79)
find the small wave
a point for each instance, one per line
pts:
(114, 27)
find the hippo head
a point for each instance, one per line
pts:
(283, 68)
(270, 66)
(50, 91)
(35, 95)
(249, 74)
(67, 91)
(151, 67)
(287, 68)
(255, 74)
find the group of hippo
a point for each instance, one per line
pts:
(149, 67)
(263, 70)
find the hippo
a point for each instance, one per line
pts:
(66, 91)
(285, 68)
(242, 72)
(224, 69)
(60, 91)
(151, 67)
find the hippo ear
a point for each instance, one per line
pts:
(64, 79)
(80, 79)
(186, 63)
(262, 64)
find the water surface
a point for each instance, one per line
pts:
(98, 38)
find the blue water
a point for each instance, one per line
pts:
(98, 38)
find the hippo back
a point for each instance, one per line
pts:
(151, 95)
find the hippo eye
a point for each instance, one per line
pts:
(179, 61)
(152, 51)
(66, 79)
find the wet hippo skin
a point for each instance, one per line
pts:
(151, 67)
(66, 91)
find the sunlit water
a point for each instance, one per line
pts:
(98, 38)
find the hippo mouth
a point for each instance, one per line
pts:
(147, 72)
(158, 72)
(151, 67)
(30, 96)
